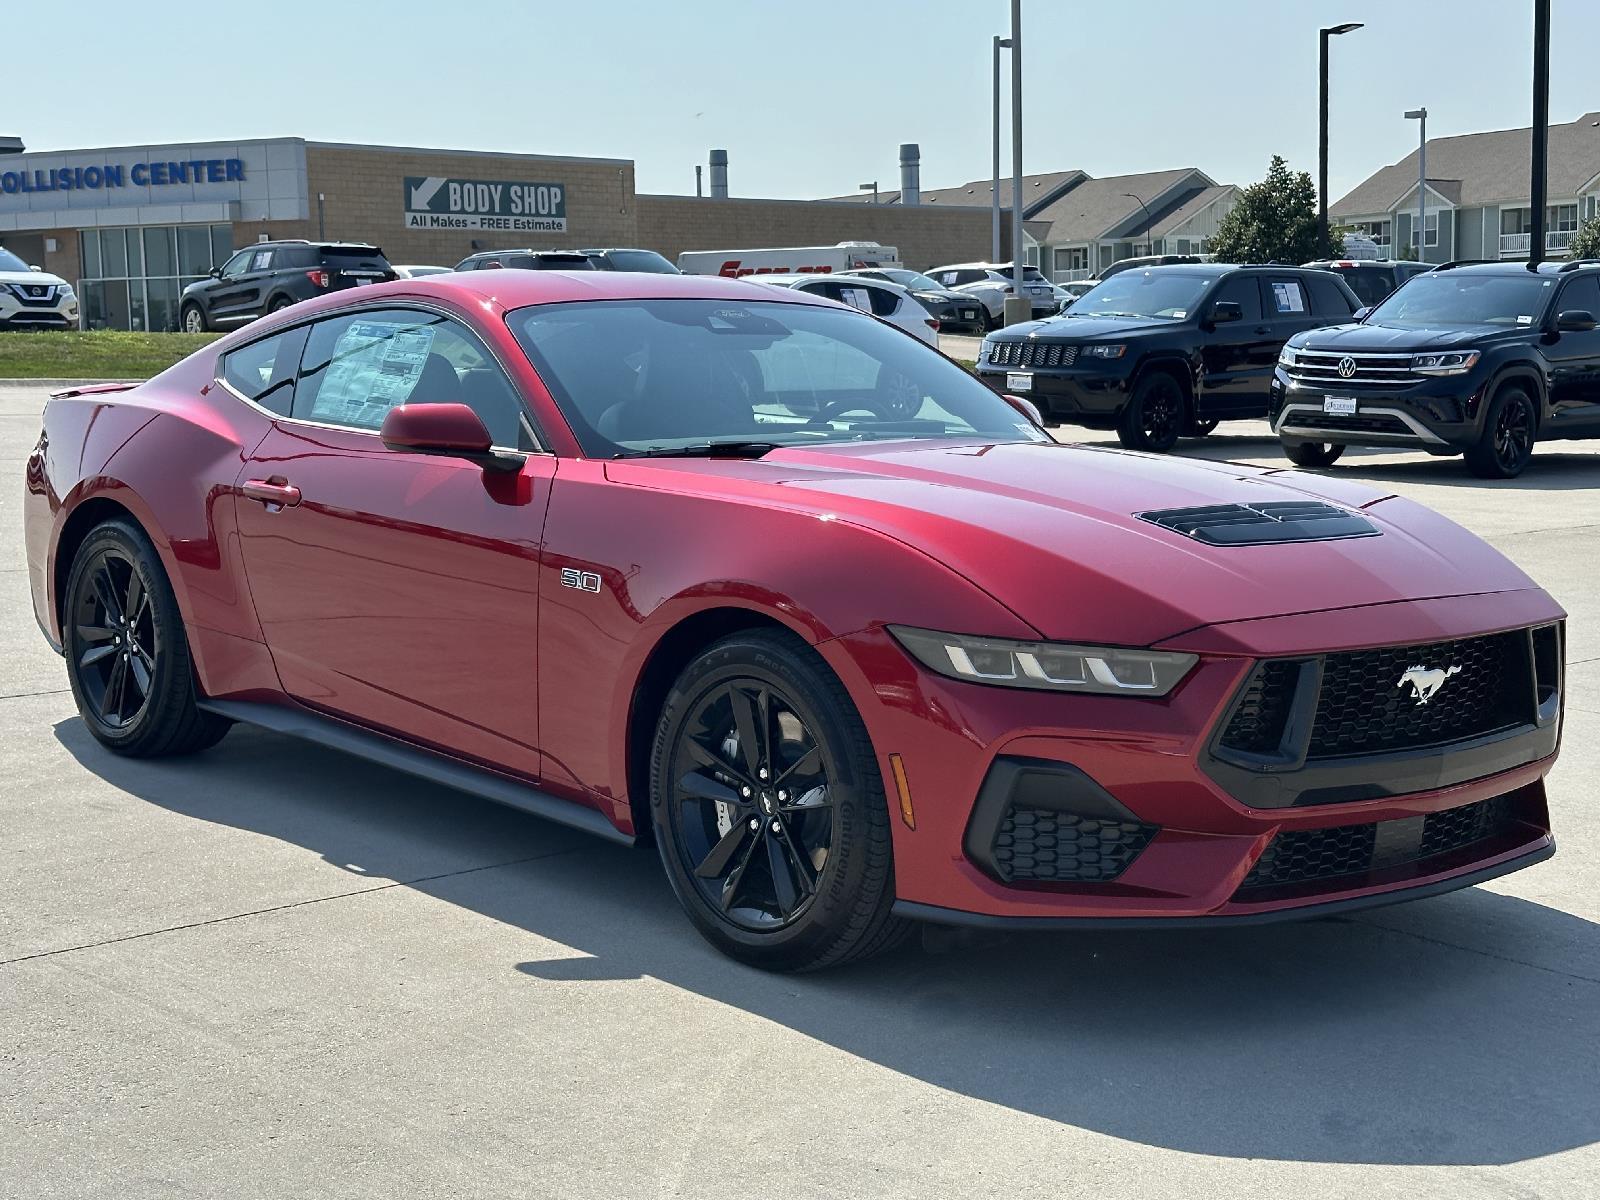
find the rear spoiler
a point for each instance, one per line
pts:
(92, 389)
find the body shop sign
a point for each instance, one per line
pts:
(436, 202)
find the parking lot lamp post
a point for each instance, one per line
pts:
(1149, 223)
(1420, 115)
(1322, 122)
(1539, 157)
(1018, 307)
(869, 187)
(994, 200)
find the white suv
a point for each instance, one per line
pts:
(991, 283)
(30, 299)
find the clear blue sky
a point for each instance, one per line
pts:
(809, 97)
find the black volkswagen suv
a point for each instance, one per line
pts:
(1164, 351)
(1481, 359)
(267, 276)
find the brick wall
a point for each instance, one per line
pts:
(365, 202)
(925, 235)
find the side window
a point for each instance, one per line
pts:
(1243, 291)
(828, 288)
(1327, 297)
(264, 371)
(467, 264)
(1287, 298)
(357, 367)
(881, 302)
(1582, 293)
(237, 265)
(260, 260)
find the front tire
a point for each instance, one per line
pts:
(768, 808)
(1312, 454)
(193, 319)
(1509, 431)
(1153, 416)
(127, 653)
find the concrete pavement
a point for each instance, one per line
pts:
(271, 970)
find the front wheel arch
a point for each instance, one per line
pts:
(1515, 375)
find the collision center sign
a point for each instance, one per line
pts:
(436, 202)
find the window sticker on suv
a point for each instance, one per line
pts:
(1287, 297)
(375, 367)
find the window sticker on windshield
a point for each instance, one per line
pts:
(1287, 297)
(375, 367)
(1521, 320)
(1179, 314)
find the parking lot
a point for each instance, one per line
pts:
(272, 970)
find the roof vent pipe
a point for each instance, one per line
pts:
(719, 174)
(910, 173)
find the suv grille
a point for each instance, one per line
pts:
(1032, 354)
(1370, 701)
(1042, 844)
(1328, 367)
(1273, 522)
(1312, 855)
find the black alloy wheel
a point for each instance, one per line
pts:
(1509, 432)
(1153, 416)
(127, 653)
(1203, 428)
(768, 810)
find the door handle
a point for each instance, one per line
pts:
(275, 493)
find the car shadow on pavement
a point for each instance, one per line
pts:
(1463, 1029)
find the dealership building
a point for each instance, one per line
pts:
(130, 226)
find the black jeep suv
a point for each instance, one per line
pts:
(271, 275)
(1481, 359)
(1163, 351)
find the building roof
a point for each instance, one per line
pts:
(1188, 207)
(979, 193)
(1095, 206)
(1475, 169)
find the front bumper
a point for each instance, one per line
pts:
(1442, 415)
(1039, 808)
(49, 310)
(1090, 395)
(965, 314)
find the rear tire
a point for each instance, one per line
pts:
(768, 808)
(193, 319)
(127, 653)
(1154, 415)
(278, 305)
(1509, 431)
(1312, 454)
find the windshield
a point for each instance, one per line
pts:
(1163, 295)
(641, 260)
(911, 279)
(10, 262)
(640, 375)
(1460, 298)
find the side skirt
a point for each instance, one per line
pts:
(337, 735)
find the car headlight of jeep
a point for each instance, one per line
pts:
(1046, 666)
(1450, 362)
(1286, 357)
(1116, 350)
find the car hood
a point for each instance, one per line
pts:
(1374, 337)
(1052, 532)
(43, 277)
(1078, 329)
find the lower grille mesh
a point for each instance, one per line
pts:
(1041, 844)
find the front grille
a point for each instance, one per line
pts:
(1269, 523)
(1406, 697)
(1043, 845)
(1032, 354)
(1361, 423)
(1304, 856)
(1330, 367)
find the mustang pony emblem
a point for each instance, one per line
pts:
(1425, 683)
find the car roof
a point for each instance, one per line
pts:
(545, 253)
(517, 289)
(1519, 267)
(308, 242)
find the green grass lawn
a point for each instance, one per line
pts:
(97, 354)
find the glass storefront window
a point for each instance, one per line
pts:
(163, 295)
(133, 278)
(160, 254)
(89, 255)
(221, 244)
(194, 249)
(113, 254)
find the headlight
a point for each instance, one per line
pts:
(1046, 666)
(1451, 362)
(1286, 357)
(1096, 351)
(65, 291)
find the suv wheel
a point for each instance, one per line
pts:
(1154, 415)
(1506, 445)
(278, 305)
(193, 319)
(1312, 454)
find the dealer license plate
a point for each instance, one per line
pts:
(1339, 406)
(1019, 381)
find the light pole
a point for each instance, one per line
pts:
(1322, 123)
(994, 241)
(1420, 115)
(1539, 158)
(1149, 223)
(869, 187)
(1018, 306)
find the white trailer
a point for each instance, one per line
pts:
(788, 260)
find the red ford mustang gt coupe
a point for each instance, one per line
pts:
(762, 580)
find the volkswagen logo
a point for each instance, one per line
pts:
(1347, 367)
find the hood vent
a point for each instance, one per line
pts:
(1270, 523)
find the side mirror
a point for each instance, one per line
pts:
(215, 272)
(1027, 408)
(34, 267)
(451, 430)
(1575, 320)
(1362, 313)
(1224, 311)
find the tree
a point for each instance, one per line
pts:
(1274, 221)
(1586, 242)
